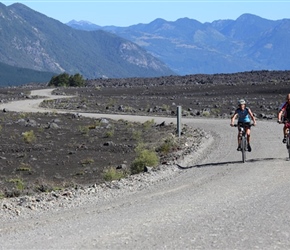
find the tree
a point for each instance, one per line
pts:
(66, 80)
(61, 80)
(76, 81)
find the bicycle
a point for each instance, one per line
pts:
(287, 124)
(243, 139)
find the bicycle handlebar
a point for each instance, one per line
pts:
(248, 125)
(283, 122)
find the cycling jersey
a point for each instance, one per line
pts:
(243, 115)
(286, 110)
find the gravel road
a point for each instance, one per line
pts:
(214, 202)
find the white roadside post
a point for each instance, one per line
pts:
(179, 120)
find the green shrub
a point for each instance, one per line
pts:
(84, 130)
(29, 136)
(137, 135)
(24, 168)
(45, 187)
(87, 161)
(112, 173)
(165, 107)
(206, 113)
(109, 134)
(111, 103)
(215, 111)
(66, 80)
(80, 173)
(128, 109)
(92, 126)
(167, 146)
(19, 184)
(129, 124)
(145, 157)
(148, 124)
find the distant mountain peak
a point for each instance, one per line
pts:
(158, 21)
(223, 46)
(83, 25)
(79, 22)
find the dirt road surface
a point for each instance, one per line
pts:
(216, 202)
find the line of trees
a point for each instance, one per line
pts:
(66, 80)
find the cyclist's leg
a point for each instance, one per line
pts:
(284, 133)
(284, 130)
(248, 132)
(239, 142)
(239, 139)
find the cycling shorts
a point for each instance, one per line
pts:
(246, 125)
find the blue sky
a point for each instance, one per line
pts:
(126, 13)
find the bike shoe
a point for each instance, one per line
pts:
(239, 148)
(284, 140)
(249, 148)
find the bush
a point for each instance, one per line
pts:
(19, 184)
(113, 174)
(59, 80)
(87, 161)
(109, 134)
(24, 168)
(137, 135)
(144, 158)
(148, 124)
(29, 136)
(65, 80)
(168, 146)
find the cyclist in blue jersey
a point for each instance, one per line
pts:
(244, 115)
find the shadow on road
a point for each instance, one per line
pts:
(208, 164)
(265, 159)
(228, 162)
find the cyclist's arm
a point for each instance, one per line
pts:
(279, 118)
(252, 117)
(233, 118)
(281, 111)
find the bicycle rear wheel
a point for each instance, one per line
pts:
(244, 147)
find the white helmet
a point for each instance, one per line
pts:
(241, 102)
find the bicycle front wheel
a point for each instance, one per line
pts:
(244, 147)
(288, 145)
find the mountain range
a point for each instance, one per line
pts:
(34, 41)
(223, 46)
(34, 47)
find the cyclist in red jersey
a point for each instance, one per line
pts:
(284, 116)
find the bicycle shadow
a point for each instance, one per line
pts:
(266, 159)
(212, 164)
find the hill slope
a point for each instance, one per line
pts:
(32, 40)
(14, 76)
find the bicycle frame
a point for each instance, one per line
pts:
(243, 140)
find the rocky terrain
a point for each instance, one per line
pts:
(44, 152)
(53, 152)
(213, 96)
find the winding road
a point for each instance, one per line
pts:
(216, 202)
